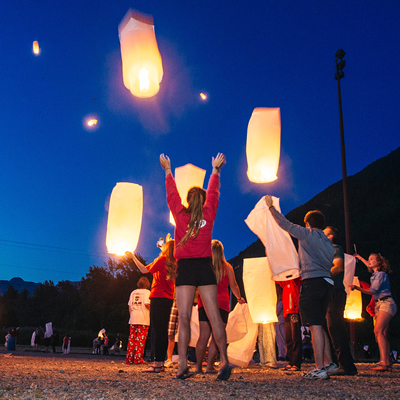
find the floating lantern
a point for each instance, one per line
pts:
(263, 145)
(124, 218)
(260, 290)
(35, 47)
(92, 122)
(185, 178)
(141, 61)
(203, 96)
(353, 309)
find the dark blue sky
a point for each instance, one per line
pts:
(56, 177)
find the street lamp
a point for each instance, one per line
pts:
(339, 75)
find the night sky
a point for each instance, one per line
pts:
(57, 177)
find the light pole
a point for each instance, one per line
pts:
(339, 75)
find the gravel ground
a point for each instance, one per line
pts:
(28, 375)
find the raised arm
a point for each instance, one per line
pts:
(141, 267)
(217, 163)
(361, 259)
(165, 164)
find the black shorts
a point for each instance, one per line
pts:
(195, 272)
(203, 316)
(313, 302)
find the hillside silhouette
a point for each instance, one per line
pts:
(374, 195)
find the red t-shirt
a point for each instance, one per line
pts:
(161, 286)
(290, 295)
(201, 245)
(222, 294)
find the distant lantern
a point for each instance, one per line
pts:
(141, 61)
(260, 290)
(92, 122)
(124, 218)
(203, 96)
(353, 309)
(263, 145)
(185, 178)
(35, 47)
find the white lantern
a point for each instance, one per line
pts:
(124, 218)
(260, 290)
(279, 247)
(185, 178)
(353, 309)
(141, 61)
(263, 145)
(35, 47)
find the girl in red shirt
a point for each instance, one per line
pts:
(161, 296)
(225, 279)
(193, 234)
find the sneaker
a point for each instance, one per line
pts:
(168, 364)
(316, 374)
(332, 369)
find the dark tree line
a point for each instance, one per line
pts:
(98, 301)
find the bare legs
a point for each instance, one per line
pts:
(321, 346)
(184, 297)
(381, 333)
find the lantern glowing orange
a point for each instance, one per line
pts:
(260, 290)
(353, 309)
(263, 145)
(35, 47)
(92, 122)
(203, 96)
(185, 178)
(141, 61)
(124, 218)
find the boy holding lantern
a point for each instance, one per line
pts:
(316, 257)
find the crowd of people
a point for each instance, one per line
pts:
(312, 305)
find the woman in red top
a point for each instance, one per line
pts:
(225, 277)
(161, 296)
(193, 234)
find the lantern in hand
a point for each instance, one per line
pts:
(353, 308)
(260, 290)
(263, 145)
(124, 218)
(185, 178)
(141, 61)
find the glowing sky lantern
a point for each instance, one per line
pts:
(35, 47)
(263, 145)
(186, 177)
(92, 122)
(260, 290)
(141, 61)
(203, 96)
(124, 218)
(353, 309)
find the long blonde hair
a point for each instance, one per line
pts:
(218, 260)
(170, 264)
(196, 197)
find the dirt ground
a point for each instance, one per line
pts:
(29, 375)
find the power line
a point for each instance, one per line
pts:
(12, 243)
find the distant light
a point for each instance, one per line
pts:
(92, 122)
(203, 96)
(35, 47)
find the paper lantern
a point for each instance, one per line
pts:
(124, 218)
(185, 178)
(260, 290)
(353, 309)
(35, 47)
(279, 247)
(263, 145)
(141, 61)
